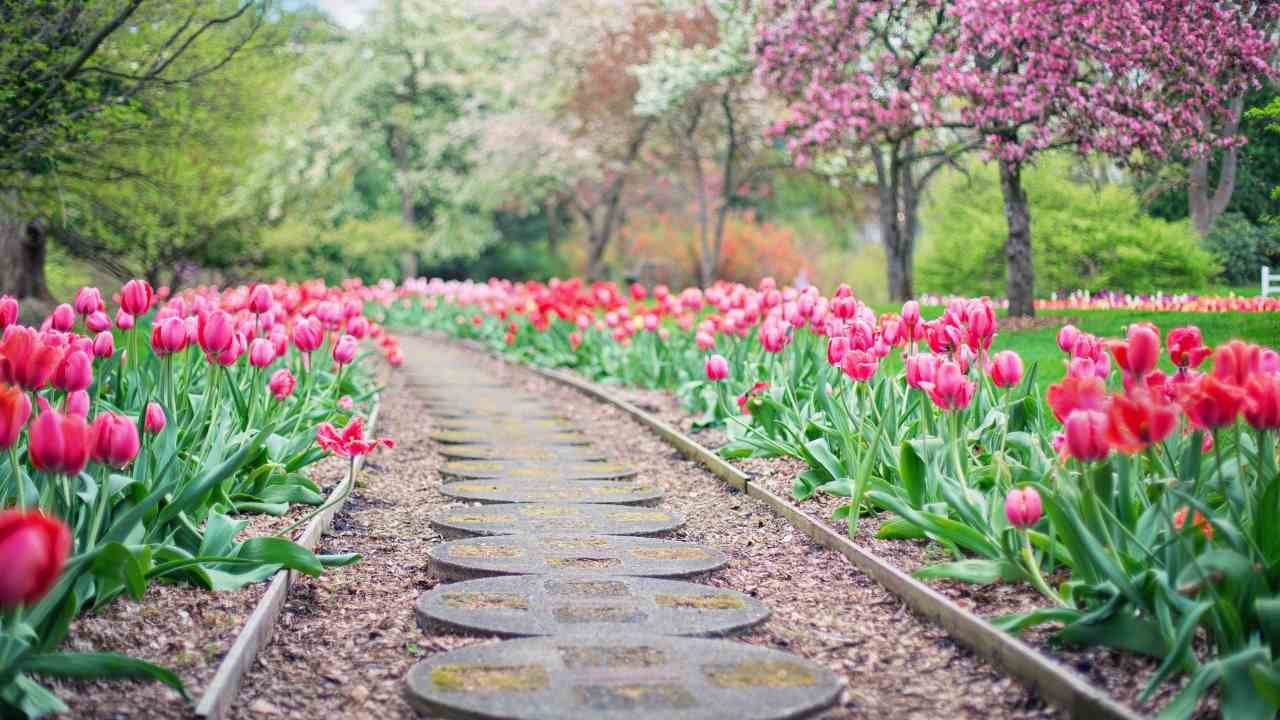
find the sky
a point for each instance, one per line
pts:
(348, 13)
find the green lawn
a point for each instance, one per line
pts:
(1041, 346)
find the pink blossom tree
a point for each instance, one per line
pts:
(1133, 79)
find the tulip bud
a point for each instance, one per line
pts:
(154, 420)
(1023, 508)
(75, 372)
(1067, 337)
(717, 368)
(89, 301)
(836, 349)
(1006, 369)
(113, 440)
(1086, 432)
(58, 443)
(63, 318)
(124, 320)
(282, 384)
(231, 353)
(260, 299)
(261, 353)
(98, 322)
(215, 332)
(308, 335)
(77, 403)
(358, 327)
(345, 350)
(911, 313)
(104, 345)
(346, 403)
(33, 549)
(136, 297)
(15, 410)
(8, 311)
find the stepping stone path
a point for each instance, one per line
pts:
(559, 557)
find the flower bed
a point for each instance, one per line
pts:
(139, 444)
(1134, 502)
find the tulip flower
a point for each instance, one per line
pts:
(1086, 432)
(748, 398)
(58, 443)
(231, 353)
(358, 327)
(89, 301)
(77, 403)
(950, 389)
(1005, 369)
(154, 420)
(104, 346)
(575, 340)
(911, 314)
(981, 328)
(33, 549)
(124, 320)
(1139, 354)
(1262, 402)
(1138, 420)
(921, 369)
(859, 365)
(168, 336)
(1236, 361)
(63, 318)
(113, 440)
(1023, 508)
(1067, 337)
(1076, 393)
(26, 359)
(1186, 347)
(75, 372)
(282, 384)
(136, 297)
(261, 353)
(1210, 403)
(350, 442)
(346, 403)
(344, 351)
(1198, 521)
(8, 311)
(15, 410)
(216, 332)
(308, 335)
(260, 299)
(98, 322)
(717, 368)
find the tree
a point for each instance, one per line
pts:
(79, 80)
(860, 77)
(1126, 78)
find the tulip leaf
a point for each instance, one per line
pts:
(912, 470)
(280, 551)
(1018, 622)
(976, 571)
(99, 665)
(900, 529)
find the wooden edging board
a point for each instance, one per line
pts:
(1056, 683)
(257, 630)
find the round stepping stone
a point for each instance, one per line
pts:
(521, 518)
(519, 413)
(571, 555)
(525, 605)
(484, 469)
(622, 677)
(472, 437)
(554, 491)
(491, 424)
(532, 452)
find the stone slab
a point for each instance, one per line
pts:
(521, 518)
(530, 605)
(557, 491)
(571, 555)
(509, 412)
(503, 424)
(475, 437)
(527, 452)
(621, 677)
(554, 470)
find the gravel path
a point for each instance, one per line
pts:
(347, 639)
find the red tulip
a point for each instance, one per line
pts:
(1236, 361)
(575, 340)
(154, 420)
(1198, 521)
(8, 311)
(136, 297)
(1211, 403)
(350, 442)
(1086, 432)
(216, 332)
(77, 403)
(859, 365)
(33, 549)
(89, 301)
(950, 389)
(63, 318)
(1138, 420)
(1023, 507)
(26, 359)
(1139, 354)
(1005, 369)
(1076, 393)
(261, 352)
(58, 443)
(75, 372)
(344, 351)
(717, 368)
(113, 440)
(1262, 404)
(168, 336)
(1186, 347)
(282, 384)
(260, 299)
(15, 410)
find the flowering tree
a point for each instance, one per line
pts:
(1128, 78)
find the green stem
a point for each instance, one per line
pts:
(1033, 569)
(17, 477)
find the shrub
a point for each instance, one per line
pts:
(1083, 236)
(1243, 248)
(666, 246)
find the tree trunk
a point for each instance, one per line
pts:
(400, 154)
(727, 189)
(1017, 247)
(597, 243)
(551, 206)
(1207, 204)
(23, 245)
(899, 245)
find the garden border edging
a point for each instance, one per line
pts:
(256, 633)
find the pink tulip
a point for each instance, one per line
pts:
(154, 421)
(63, 318)
(950, 389)
(1086, 432)
(911, 313)
(921, 369)
(89, 301)
(136, 297)
(8, 311)
(77, 403)
(27, 358)
(358, 327)
(837, 348)
(717, 368)
(33, 549)
(216, 331)
(859, 365)
(168, 336)
(308, 335)
(124, 320)
(345, 350)
(260, 299)
(1023, 508)
(113, 440)
(1006, 369)
(261, 352)
(75, 372)
(58, 443)
(232, 352)
(15, 410)
(98, 322)
(1067, 337)
(282, 384)
(346, 403)
(104, 345)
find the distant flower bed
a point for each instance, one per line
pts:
(1157, 302)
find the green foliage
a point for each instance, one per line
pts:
(1242, 247)
(1084, 236)
(368, 249)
